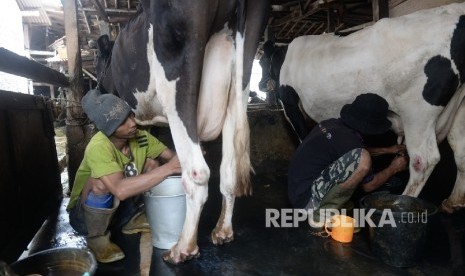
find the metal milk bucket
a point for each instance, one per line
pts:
(165, 205)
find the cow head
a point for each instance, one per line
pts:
(102, 64)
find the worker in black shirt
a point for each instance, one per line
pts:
(332, 161)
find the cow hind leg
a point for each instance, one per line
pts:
(455, 137)
(223, 232)
(235, 165)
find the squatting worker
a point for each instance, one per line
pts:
(332, 161)
(120, 162)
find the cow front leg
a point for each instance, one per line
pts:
(187, 248)
(455, 136)
(290, 102)
(424, 155)
(195, 175)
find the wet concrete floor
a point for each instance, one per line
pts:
(258, 250)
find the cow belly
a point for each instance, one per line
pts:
(215, 85)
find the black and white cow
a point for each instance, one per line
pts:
(416, 62)
(188, 63)
(287, 96)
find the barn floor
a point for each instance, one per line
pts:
(258, 250)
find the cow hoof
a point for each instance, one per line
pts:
(222, 237)
(450, 208)
(173, 256)
(446, 208)
(222, 241)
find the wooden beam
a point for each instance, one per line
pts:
(282, 30)
(311, 5)
(89, 74)
(89, 31)
(100, 10)
(293, 17)
(319, 30)
(307, 30)
(21, 66)
(41, 53)
(123, 11)
(119, 19)
(297, 33)
(307, 4)
(339, 27)
(291, 29)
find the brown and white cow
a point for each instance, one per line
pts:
(188, 63)
(416, 62)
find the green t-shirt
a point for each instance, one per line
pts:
(102, 158)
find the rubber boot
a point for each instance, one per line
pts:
(104, 250)
(336, 198)
(137, 224)
(98, 238)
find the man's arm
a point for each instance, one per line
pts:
(151, 164)
(167, 154)
(398, 164)
(125, 187)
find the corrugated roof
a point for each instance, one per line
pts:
(29, 4)
(34, 5)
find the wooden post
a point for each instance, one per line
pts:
(77, 128)
(330, 20)
(269, 33)
(52, 91)
(380, 9)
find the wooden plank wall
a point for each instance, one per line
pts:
(30, 185)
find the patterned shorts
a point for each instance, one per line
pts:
(336, 173)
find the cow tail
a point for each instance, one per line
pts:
(242, 135)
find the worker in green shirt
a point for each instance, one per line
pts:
(120, 163)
